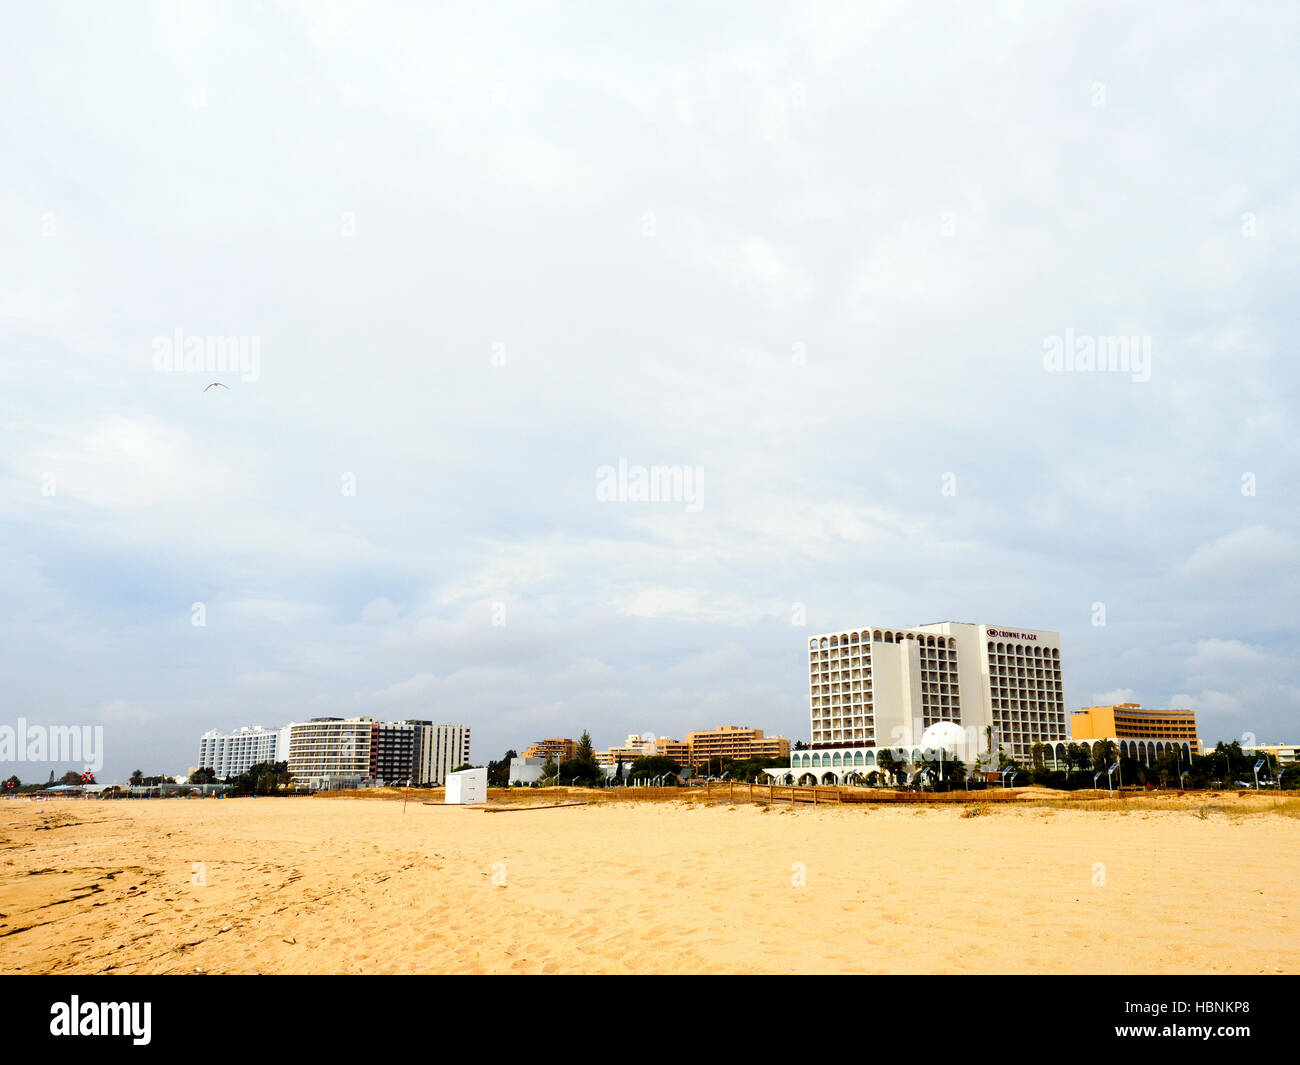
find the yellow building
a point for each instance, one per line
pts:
(668, 747)
(665, 746)
(559, 749)
(627, 755)
(735, 741)
(1128, 721)
(635, 746)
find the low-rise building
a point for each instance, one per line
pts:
(636, 745)
(1146, 732)
(735, 742)
(562, 750)
(667, 747)
(1285, 753)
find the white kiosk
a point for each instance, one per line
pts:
(467, 786)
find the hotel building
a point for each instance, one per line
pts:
(636, 746)
(1137, 733)
(329, 750)
(393, 751)
(668, 747)
(871, 688)
(735, 742)
(560, 750)
(728, 741)
(439, 750)
(230, 753)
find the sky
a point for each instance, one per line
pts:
(817, 261)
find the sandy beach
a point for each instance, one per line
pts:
(317, 885)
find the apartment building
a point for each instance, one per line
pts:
(232, 753)
(439, 750)
(678, 750)
(734, 742)
(329, 750)
(635, 746)
(560, 750)
(394, 751)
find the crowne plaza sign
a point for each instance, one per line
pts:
(1007, 634)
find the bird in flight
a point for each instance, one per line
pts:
(217, 384)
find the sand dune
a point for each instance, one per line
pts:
(308, 885)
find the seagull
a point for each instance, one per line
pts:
(217, 384)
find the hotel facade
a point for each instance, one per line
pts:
(559, 750)
(1140, 734)
(872, 688)
(232, 753)
(328, 751)
(736, 742)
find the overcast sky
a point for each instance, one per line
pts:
(813, 256)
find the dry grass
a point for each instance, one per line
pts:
(1232, 805)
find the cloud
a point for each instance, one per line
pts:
(841, 312)
(685, 604)
(754, 264)
(1253, 551)
(379, 609)
(1219, 704)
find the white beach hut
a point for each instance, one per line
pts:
(467, 786)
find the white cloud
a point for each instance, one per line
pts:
(1253, 550)
(756, 265)
(799, 326)
(380, 609)
(276, 611)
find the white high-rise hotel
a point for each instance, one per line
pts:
(872, 688)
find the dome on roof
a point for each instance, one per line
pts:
(950, 737)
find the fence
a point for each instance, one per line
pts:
(789, 794)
